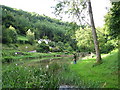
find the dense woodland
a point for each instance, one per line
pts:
(67, 36)
(17, 22)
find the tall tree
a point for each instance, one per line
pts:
(96, 43)
(77, 8)
(112, 20)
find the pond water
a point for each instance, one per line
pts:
(57, 66)
(47, 62)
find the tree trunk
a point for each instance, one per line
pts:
(99, 60)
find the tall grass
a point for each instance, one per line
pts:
(57, 74)
(81, 75)
(27, 77)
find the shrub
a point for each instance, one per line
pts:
(52, 44)
(9, 35)
(60, 45)
(30, 36)
(107, 47)
(68, 48)
(43, 47)
(55, 49)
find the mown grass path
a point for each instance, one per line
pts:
(102, 76)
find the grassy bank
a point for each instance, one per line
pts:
(27, 72)
(101, 76)
(24, 76)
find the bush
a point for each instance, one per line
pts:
(10, 35)
(60, 46)
(43, 47)
(108, 46)
(68, 48)
(55, 49)
(52, 44)
(30, 36)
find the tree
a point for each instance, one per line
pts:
(86, 44)
(77, 8)
(9, 35)
(30, 36)
(96, 43)
(43, 47)
(56, 30)
(112, 20)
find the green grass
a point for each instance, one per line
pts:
(26, 47)
(22, 76)
(82, 74)
(27, 77)
(8, 55)
(22, 38)
(104, 75)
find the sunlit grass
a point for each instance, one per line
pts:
(105, 75)
(22, 38)
(82, 74)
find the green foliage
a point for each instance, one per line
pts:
(74, 9)
(68, 48)
(60, 45)
(55, 49)
(43, 47)
(22, 39)
(19, 53)
(112, 20)
(20, 76)
(41, 26)
(26, 77)
(26, 47)
(9, 35)
(105, 42)
(11, 55)
(107, 47)
(45, 37)
(30, 36)
(85, 40)
(7, 18)
(52, 44)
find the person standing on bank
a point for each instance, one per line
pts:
(74, 58)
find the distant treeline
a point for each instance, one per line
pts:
(42, 26)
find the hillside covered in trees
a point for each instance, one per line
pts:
(28, 27)
(16, 23)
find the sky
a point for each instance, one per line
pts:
(44, 7)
